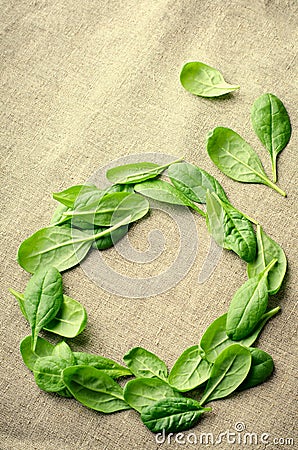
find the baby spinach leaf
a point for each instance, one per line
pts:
(143, 392)
(236, 159)
(136, 172)
(190, 370)
(42, 299)
(271, 123)
(204, 81)
(61, 247)
(94, 389)
(215, 338)
(119, 188)
(229, 370)
(172, 414)
(268, 250)
(108, 366)
(164, 192)
(110, 239)
(70, 320)
(69, 196)
(113, 208)
(48, 373)
(229, 228)
(248, 305)
(43, 348)
(194, 182)
(145, 364)
(261, 368)
(63, 351)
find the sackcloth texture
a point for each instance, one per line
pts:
(86, 83)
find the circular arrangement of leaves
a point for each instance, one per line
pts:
(225, 360)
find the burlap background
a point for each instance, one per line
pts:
(86, 82)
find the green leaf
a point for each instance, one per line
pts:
(271, 123)
(172, 415)
(230, 229)
(268, 250)
(111, 209)
(229, 370)
(94, 389)
(143, 392)
(145, 364)
(261, 368)
(215, 338)
(236, 159)
(70, 320)
(42, 299)
(204, 81)
(194, 182)
(135, 173)
(61, 247)
(43, 348)
(164, 192)
(108, 366)
(110, 239)
(69, 196)
(190, 370)
(63, 351)
(248, 305)
(48, 373)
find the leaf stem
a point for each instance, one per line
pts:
(197, 209)
(275, 187)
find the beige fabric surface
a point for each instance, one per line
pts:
(85, 83)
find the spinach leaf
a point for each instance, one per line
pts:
(43, 348)
(248, 305)
(194, 182)
(62, 247)
(94, 389)
(119, 188)
(229, 228)
(135, 173)
(164, 192)
(48, 373)
(229, 370)
(143, 392)
(42, 299)
(268, 250)
(236, 159)
(110, 239)
(261, 368)
(108, 366)
(145, 364)
(63, 352)
(204, 81)
(113, 208)
(190, 370)
(69, 196)
(172, 414)
(271, 123)
(70, 320)
(215, 338)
